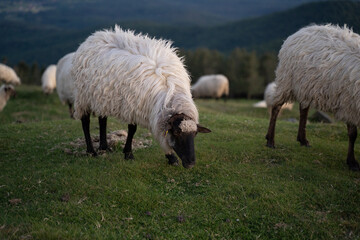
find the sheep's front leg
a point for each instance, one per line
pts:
(352, 133)
(172, 159)
(128, 145)
(301, 137)
(103, 141)
(85, 120)
(271, 130)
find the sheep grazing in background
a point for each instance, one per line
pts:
(269, 97)
(319, 66)
(211, 86)
(268, 102)
(6, 91)
(261, 104)
(48, 79)
(139, 80)
(8, 75)
(65, 81)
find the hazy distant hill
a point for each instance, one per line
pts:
(80, 14)
(47, 43)
(268, 32)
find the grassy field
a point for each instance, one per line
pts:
(239, 189)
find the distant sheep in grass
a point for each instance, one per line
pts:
(269, 97)
(48, 79)
(139, 80)
(319, 66)
(268, 102)
(261, 104)
(6, 91)
(65, 81)
(211, 86)
(8, 75)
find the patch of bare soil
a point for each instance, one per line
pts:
(78, 146)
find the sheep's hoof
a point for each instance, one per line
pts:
(303, 142)
(270, 144)
(129, 155)
(91, 153)
(353, 165)
(104, 149)
(172, 159)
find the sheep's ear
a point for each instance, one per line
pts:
(202, 129)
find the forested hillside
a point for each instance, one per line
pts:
(46, 44)
(80, 14)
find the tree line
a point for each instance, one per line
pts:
(248, 72)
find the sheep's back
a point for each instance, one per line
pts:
(8, 75)
(64, 79)
(320, 66)
(269, 94)
(124, 75)
(211, 86)
(48, 78)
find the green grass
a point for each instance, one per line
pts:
(239, 189)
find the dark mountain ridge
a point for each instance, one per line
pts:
(45, 44)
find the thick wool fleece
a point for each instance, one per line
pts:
(64, 79)
(138, 79)
(8, 75)
(48, 79)
(213, 86)
(320, 67)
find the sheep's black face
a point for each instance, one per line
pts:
(10, 91)
(183, 131)
(184, 148)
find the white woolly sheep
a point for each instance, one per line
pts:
(6, 91)
(48, 79)
(65, 81)
(269, 97)
(261, 104)
(319, 66)
(139, 80)
(211, 86)
(8, 75)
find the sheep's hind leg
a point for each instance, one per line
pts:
(271, 130)
(172, 159)
(103, 141)
(128, 145)
(301, 137)
(352, 133)
(85, 120)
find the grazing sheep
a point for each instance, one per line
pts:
(211, 86)
(319, 66)
(65, 81)
(6, 91)
(268, 102)
(139, 80)
(269, 97)
(8, 75)
(48, 79)
(261, 104)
